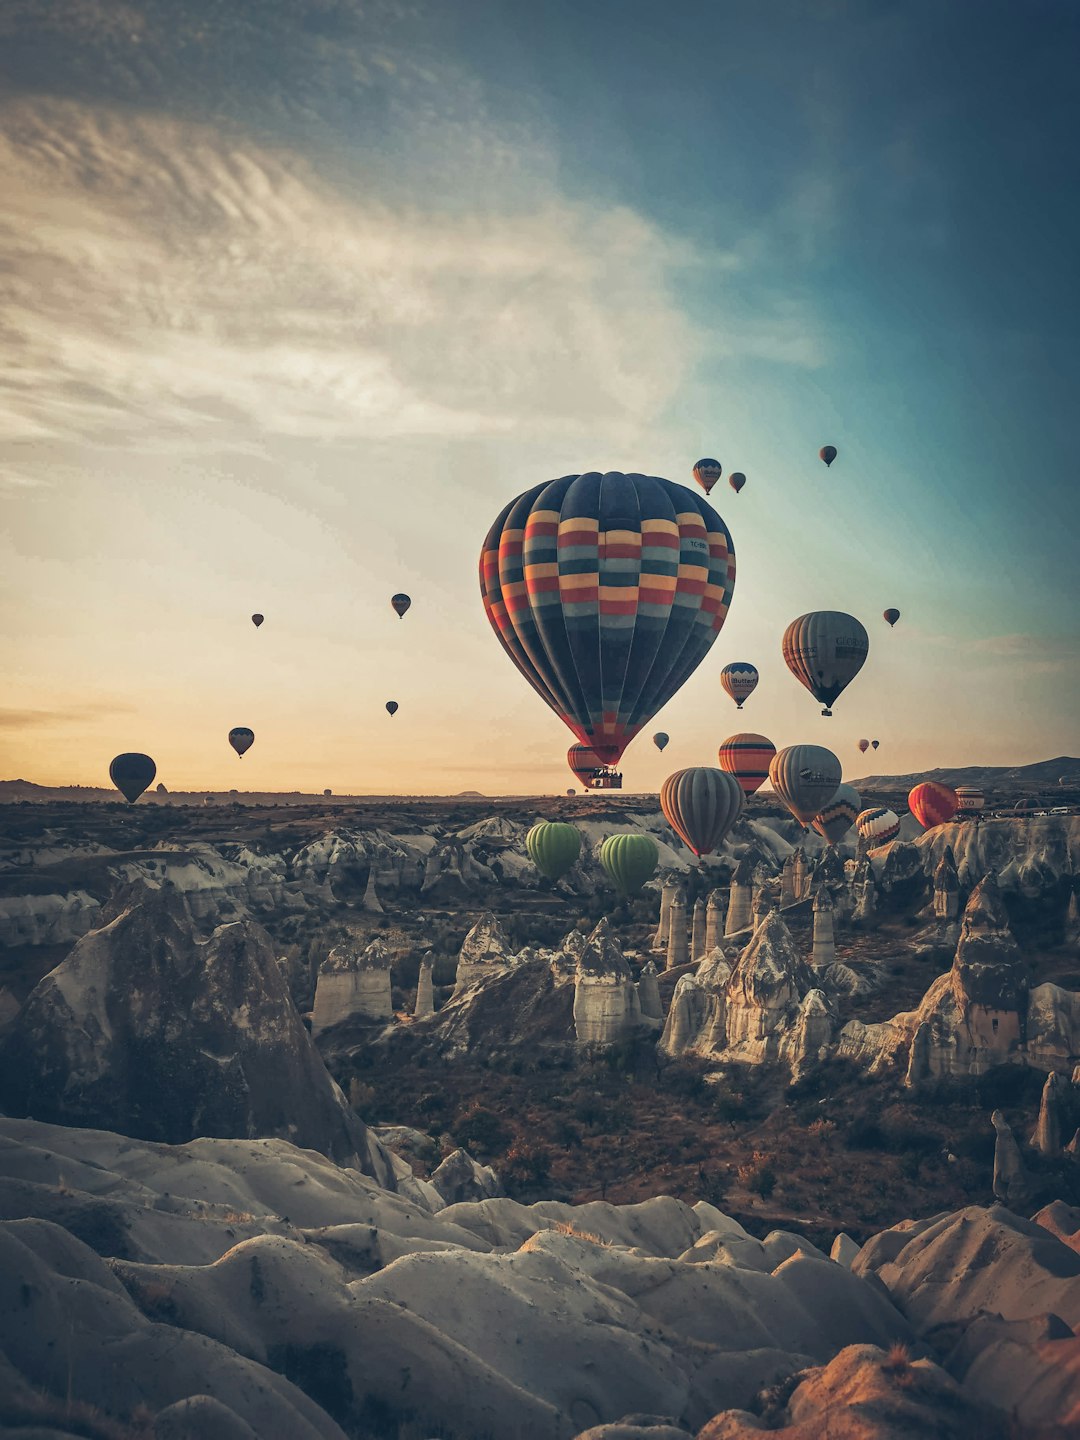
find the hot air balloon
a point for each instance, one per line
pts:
(553, 847)
(891, 616)
(971, 800)
(607, 591)
(707, 473)
(241, 739)
(327, 794)
(739, 680)
(827, 453)
(391, 707)
(400, 603)
(805, 777)
(584, 762)
(571, 792)
(1026, 805)
(877, 826)
(747, 757)
(701, 805)
(837, 818)
(257, 620)
(932, 804)
(875, 743)
(825, 650)
(737, 480)
(660, 739)
(629, 860)
(864, 745)
(131, 774)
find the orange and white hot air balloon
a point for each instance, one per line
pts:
(747, 756)
(932, 804)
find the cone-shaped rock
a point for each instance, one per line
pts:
(485, 952)
(353, 980)
(606, 1005)
(740, 897)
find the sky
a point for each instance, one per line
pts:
(295, 295)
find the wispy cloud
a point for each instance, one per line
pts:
(14, 719)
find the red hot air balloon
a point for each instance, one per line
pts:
(864, 745)
(739, 680)
(241, 739)
(747, 757)
(932, 804)
(707, 472)
(701, 805)
(392, 707)
(736, 480)
(257, 620)
(400, 603)
(131, 773)
(607, 592)
(827, 453)
(891, 616)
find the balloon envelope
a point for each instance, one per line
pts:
(971, 800)
(707, 472)
(701, 805)
(837, 818)
(737, 480)
(875, 743)
(241, 739)
(891, 616)
(877, 826)
(607, 592)
(932, 804)
(827, 453)
(747, 756)
(257, 620)
(660, 739)
(391, 707)
(629, 860)
(739, 680)
(864, 745)
(805, 777)
(131, 773)
(825, 650)
(584, 762)
(400, 603)
(553, 847)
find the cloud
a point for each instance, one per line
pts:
(165, 287)
(13, 719)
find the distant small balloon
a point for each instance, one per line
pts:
(257, 620)
(736, 480)
(571, 792)
(660, 739)
(864, 745)
(827, 453)
(241, 739)
(891, 616)
(391, 707)
(327, 794)
(875, 743)
(400, 603)
(131, 773)
(707, 472)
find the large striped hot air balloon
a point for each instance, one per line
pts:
(971, 800)
(629, 860)
(805, 777)
(932, 804)
(241, 739)
(739, 679)
(701, 805)
(584, 762)
(707, 472)
(838, 816)
(607, 592)
(553, 847)
(825, 650)
(131, 773)
(877, 826)
(747, 757)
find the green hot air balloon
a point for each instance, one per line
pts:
(701, 805)
(629, 861)
(131, 774)
(553, 847)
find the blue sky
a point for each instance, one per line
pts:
(298, 294)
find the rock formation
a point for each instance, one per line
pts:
(697, 933)
(685, 1017)
(946, 887)
(1011, 1183)
(425, 989)
(668, 887)
(649, 994)
(788, 892)
(740, 898)
(353, 980)
(864, 893)
(765, 992)
(485, 952)
(606, 1004)
(1047, 1136)
(824, 943)
(148, 1030)
(714, 920)
(678, 950)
